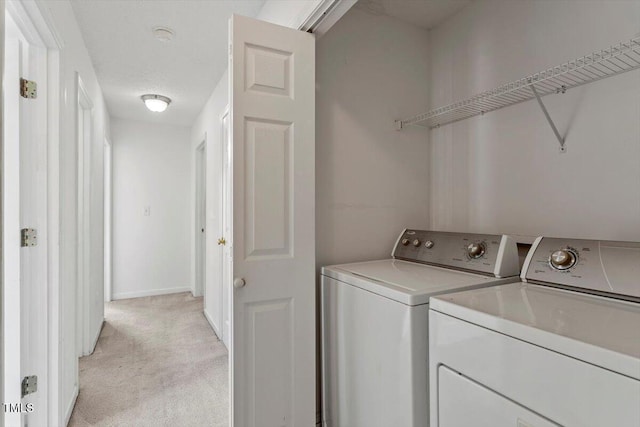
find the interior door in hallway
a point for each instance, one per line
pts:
(272, 72)
(24, 192)
(201, 218)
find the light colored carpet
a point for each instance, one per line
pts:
(157, 363)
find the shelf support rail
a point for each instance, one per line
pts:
(563, 149)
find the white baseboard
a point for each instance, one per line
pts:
(72, 404)
(149, 293)
(213, 326)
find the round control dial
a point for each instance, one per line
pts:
(428, 244)
(416, 243)
(563, 259)
(476, 250)
(405, 241)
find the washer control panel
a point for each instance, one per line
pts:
(483, 253)
(602, 267)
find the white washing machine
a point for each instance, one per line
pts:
(375, 323)
(559, 348)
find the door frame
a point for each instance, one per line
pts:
(11, 310)
(35, 22)
(2, 332)
(84, 139)
(200, 249)
(108, 211)
(226, 288)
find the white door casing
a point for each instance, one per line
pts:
(85, 344)
(2, 276)
(226, 251)
(33, 203)
(108, 198)
(25, 189)
(11, 250)
(201, 218)
(272, 73)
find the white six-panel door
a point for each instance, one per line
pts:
(272, 72)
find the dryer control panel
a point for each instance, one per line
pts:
(595, 266)
(492, 254)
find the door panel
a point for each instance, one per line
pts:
(270, 392)
(273, 137)
(268, 193)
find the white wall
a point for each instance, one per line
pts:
(75, 58)
(371, 180)
(502, 172)
(151, 168)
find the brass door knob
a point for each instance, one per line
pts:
(221, 241)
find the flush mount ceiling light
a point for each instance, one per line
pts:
(164, 34)
(156, 103)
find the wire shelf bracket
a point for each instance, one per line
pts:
(598, 65)
(563, 149)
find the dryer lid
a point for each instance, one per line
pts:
(598, 330)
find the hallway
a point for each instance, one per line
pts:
(157, 363)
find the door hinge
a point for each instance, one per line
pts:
(28, 237)
(29, 385)
(28, 89)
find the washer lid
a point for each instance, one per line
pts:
(406, 282)
(598, 330)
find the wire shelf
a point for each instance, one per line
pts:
(595, 66)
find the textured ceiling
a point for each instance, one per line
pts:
(129, 61)
(423, 13)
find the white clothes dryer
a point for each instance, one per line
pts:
(375, 322)
(559, 348)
